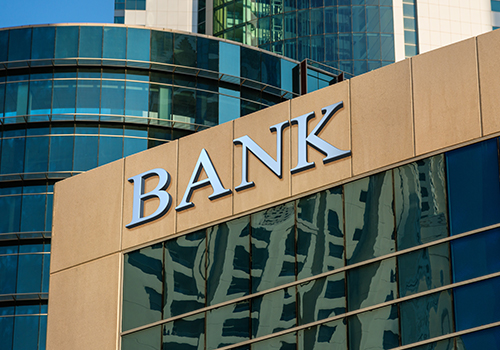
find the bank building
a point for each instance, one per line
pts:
(204, 192)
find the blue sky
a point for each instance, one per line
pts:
(24, 12)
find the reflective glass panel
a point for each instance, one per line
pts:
(273, 312)
(136, 102)
(320, 237)
(64, 96)
(90, 42)
(43, 44)
(29, 273)
(88, 96)
(162, 47)
(420, 201)
(284, 342)
(228, 325)
(142, 287)
(113, 97)
(327, 336)
(16, 99)
(66, 42)
(228, 268)
(184, 281)
(371, 284)
(374, 330)
(138, 44)
(85, 153)
(321, 298)
(114, 42)
(424, 269)
(40, 95)
(369, 217)
(20, 45)
(110, 149)
(33, 213)
(37, 149)
(148, 339)
(61, 153)
(26, 332)
(273, 247)
(185, 50)
(188, 333)
(426, 317)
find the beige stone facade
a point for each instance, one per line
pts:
(434, 102)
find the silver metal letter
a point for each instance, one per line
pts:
(205, 163)
(140, 197)
(250, 145)
(332, 153)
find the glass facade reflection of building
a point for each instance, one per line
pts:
(354, 36)
(406, 258)
(74, 97)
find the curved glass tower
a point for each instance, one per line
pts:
(74, 97)
(355, 36)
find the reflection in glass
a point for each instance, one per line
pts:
(228, 265)
(374, 330)
(273, 312)
(426, 317)
(66, 42)
(369, 217)
(187, 334)
(327, 336)
(371, 284)
(424, 269)
(284, 342)
(320, 237)
(36, 159)
(148, 339)
(228, 325)
(142, 287)
(420, 202)
(184, 281)
(321, 298)
(273, 247)
(90, 42)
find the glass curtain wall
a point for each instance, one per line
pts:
(393, 259)
(354, 36)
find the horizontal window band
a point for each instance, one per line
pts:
(333, 272)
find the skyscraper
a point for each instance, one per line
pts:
(355, 36)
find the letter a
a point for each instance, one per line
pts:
(332, 153)
(205, 163)
(140, 197)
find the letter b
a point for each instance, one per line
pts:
(140, 197)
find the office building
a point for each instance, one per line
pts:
(355, 36)
(74, 97)
(365, 215)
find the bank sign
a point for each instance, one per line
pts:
(204, 163)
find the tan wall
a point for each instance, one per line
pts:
(430, 103)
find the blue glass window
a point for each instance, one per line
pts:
(114, 42)
(43, 45)
(138, 45)
(477, 304)
(66, 42)
(90, 42)
(113, 97)
(36, 159)
(88, 96)
(19, 46)
(476, 255)
(40, 95)
(473, 186)
(61, 153)
(64, 96)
